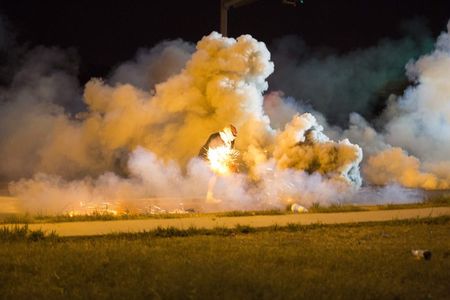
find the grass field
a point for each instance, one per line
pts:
(357, 261)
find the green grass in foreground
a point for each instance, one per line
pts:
(357, 261)
(22, 233)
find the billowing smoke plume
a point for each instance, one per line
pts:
(412, 146)
(222, 83)
(419, 123)
(303, 146)
(153, 66)
(131, 141)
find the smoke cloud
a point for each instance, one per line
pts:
(153, 66)
(222, 83)
(130, 142)
(358, 81)
(419, 123)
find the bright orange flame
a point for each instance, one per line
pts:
(86, 209)
(222, 159)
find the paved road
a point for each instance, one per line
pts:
(8, 205)
(209, 222)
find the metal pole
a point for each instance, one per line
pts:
(223, 17)
(224, 6)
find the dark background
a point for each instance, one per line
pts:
(105, 33)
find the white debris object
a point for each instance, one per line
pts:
(298, 208)
(421, 254)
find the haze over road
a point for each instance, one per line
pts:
(209, 222)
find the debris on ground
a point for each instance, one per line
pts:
(298, 208)
(421, 254)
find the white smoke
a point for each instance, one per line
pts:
(153, 182)
(153, 66)
(418, 126)
(31, 111)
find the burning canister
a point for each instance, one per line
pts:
(421, 254)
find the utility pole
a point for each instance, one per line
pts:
(225, 5)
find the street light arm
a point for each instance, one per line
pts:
(235, 3)
(226, 4)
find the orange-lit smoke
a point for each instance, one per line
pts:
(135, 142)
(152, 138)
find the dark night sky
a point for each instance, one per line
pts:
(107, 33)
